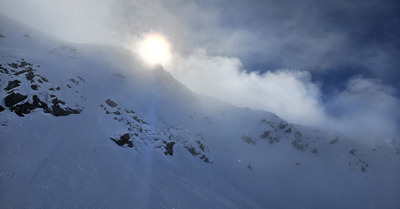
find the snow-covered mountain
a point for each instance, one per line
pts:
(85, 126)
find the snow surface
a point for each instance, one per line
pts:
(222, 156)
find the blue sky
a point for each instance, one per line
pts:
(334, 40)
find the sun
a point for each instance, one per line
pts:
(155, 49)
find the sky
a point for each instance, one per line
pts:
(331, 64)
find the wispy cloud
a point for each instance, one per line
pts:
(366, 109)
(289, 93)
(86, 21)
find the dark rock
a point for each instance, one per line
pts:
(353, 152)
(58, 88)
(129, 111)
(139, 120)
(44, 79)
(265, 134)
(13, 65)
(249, 166)
(38, 103)
(297, 135)
(29, 69)
(169, 148)
(118, 75)
(289, 130)
(364, 167)
(55, 109)
(248, 140)
(192, 151)
(283, 125)
(59, 111)
(51, 89)
(111, 103)
(14, 98)
(12, 84)
(201, 146)
(2, 108)
(83, 80)
(315, 151)
(272, 140)
(68, 86)
(298, 145)
(34, 87)
(124, 139)
(24, 63)
(30, 76)
(116, 113)
(336, 140)
(21, 109)
(46, 109)
(57, 101)
(3, 70)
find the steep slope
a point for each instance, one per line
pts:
(91, 127)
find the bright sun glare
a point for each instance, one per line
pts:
(155, 49)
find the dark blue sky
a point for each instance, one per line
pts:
(333, 40)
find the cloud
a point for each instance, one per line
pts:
(86, 21)
(366, 109)
(288, 93)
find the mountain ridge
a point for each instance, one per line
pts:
(99, 127)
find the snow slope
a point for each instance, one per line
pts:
(84, 126)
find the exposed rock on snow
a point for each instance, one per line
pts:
(124, 139)
(22, 104)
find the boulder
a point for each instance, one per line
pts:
(14, 98)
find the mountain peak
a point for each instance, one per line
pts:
(83, 129)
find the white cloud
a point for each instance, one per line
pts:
(288, 93)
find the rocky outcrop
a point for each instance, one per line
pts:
(24, 103)
(111, 103)
(12, 99)
(124, 139)
(142, 132)
(12, 84)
